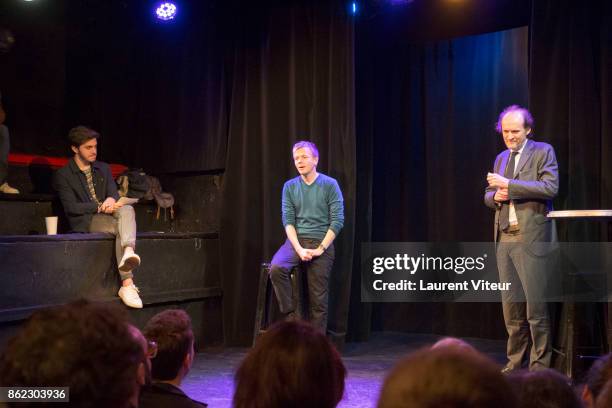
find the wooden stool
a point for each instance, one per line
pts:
(265, 293)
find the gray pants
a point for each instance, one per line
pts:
(524, 311)
(122, 224)
(4, 151)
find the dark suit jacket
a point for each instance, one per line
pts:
(535, 185)
(71, 186)
(162, 395)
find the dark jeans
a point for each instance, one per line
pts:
(4, 151)
(317, 272)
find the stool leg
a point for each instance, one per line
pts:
(268, 306)
(263, 293)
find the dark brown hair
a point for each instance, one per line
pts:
(82, 345)
(81, 134)
(446, 377)
(291, 365)
(545, 388)
(171, 330)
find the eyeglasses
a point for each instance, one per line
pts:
(151, 349)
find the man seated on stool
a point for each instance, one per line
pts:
(89, 196)
(313, 215)
(172, 331)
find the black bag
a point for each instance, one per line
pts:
(136, 181)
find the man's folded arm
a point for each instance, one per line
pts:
(69, 200)
(547, 185)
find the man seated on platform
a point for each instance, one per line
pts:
(89, 196)
(83, 346)
(313, 215)
(6, 42)
(172, 332)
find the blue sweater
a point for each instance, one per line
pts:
(313, 209)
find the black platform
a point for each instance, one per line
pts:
(39, 271)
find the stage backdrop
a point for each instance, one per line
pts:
(233, 86)
(425, 139)
(292, 79)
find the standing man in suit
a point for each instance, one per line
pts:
(89, 196)
(524, 181)
(313, 215)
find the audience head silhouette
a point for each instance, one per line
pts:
(545, 388)
(82, 345)
(291, 365)
(171, 330)
(446, 377)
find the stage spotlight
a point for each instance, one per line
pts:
(166, 11)
(354, 8)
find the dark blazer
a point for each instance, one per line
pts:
(71, 186)
(535, 185)
(162, 395)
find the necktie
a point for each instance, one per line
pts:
(504, 222)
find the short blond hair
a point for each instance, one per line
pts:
(305, 143)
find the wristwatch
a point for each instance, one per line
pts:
(322, 247)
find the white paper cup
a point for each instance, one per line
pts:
(51, 223)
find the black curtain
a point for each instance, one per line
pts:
(570, 96)
(155, 91)
(291, 79)
(425, 140)
(32, 75)
(425, 117)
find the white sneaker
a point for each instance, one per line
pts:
(6, 189)
(129, 296)
(129, 260)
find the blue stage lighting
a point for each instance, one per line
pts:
(166, 11)
(354, 8)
